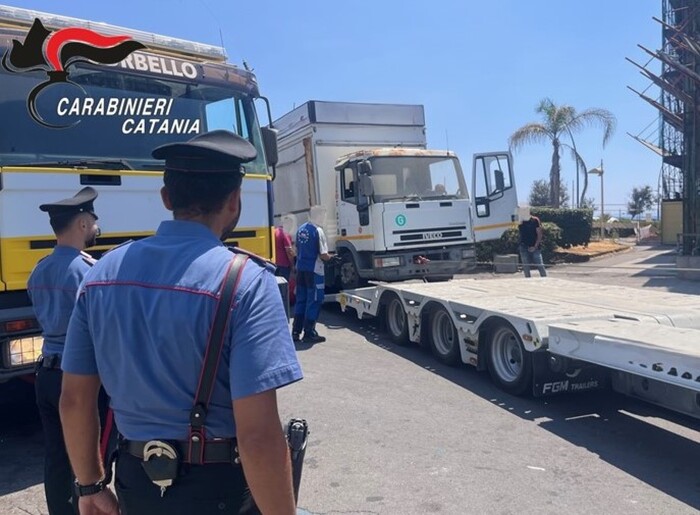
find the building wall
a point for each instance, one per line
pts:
(671, 221)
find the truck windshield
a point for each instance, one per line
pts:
(420, 177)
(117, 117)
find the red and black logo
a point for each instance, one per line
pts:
(55, 52)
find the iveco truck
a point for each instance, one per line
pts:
(395, 210)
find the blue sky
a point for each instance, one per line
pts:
(479, 68)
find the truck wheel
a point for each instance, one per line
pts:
(395, 320)
(444, 341)
(509, 364)
(349, 277)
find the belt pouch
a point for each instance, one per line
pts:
(161, 462)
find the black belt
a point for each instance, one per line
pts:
(51, 362)
(215, 451)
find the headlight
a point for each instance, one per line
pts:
(24, 351)
(386, 262)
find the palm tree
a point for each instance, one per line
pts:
(562, 121)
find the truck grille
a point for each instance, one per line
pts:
(433, 235)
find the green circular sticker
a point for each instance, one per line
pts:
(400, 220)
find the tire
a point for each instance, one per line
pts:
(395, 320)
(444, 340)
(349, 276)
(509, 364)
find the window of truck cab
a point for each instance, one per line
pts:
(347, 183)
(426, 177)
(193, 107)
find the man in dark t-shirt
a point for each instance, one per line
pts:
(530, 240)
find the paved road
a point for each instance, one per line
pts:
(641, 266)
(394, 432)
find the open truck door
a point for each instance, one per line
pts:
(495, 195)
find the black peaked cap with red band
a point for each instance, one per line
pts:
(81, 202)
(217, 151)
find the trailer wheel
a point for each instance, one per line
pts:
(395, 319)
(349, 276)
(444, 340)
(509, 364)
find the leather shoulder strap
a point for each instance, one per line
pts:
(212, 355)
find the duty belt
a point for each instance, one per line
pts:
(215, 451)
(51, 361)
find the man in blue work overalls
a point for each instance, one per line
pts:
(312, 251)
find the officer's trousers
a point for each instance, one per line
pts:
(217, 488)
(58, 477)
(309, 298)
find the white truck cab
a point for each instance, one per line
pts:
(402, 213)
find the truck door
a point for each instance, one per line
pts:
(495, 196)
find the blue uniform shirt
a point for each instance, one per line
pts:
(142, 322)
(52, 287)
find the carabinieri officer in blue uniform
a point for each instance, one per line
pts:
(52, 288)
(141, 327)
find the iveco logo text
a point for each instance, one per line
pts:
(432, 235)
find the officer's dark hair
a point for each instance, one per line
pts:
(200, 193)
(60, 224)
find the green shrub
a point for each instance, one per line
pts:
(509, 241)
(575, 224)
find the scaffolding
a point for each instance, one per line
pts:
(679, 123)
(674, 99)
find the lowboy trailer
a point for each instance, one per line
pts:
(547, 336)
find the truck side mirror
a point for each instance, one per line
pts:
(364, 217)
(364, 194)
(365, 190)
(364, 167)
(269, 139)
(366, 186)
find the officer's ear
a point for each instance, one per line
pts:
(81, 222)
(233, 203)
(165, 197)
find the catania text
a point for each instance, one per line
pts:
(145, 115)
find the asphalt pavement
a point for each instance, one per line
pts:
(395, 432)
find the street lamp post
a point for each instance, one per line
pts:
(598, 170)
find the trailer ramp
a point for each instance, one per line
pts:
(657, 363)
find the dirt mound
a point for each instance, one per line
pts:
(584, 253)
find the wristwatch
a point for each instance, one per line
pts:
(92, 489)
